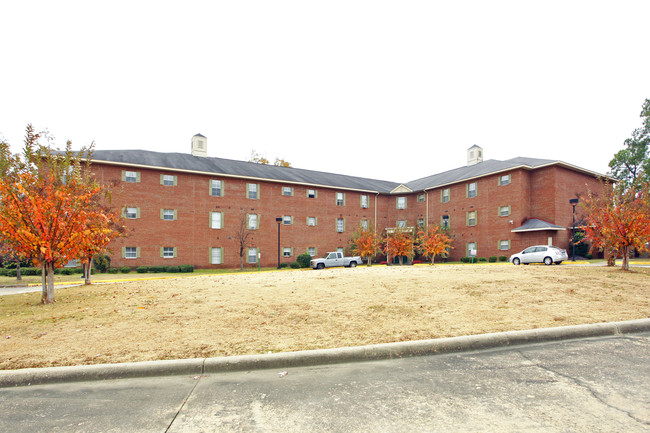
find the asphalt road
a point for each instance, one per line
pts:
(589, 385)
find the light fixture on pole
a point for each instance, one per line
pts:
(573, 202)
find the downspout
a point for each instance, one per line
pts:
(427, 211)
(376, 195)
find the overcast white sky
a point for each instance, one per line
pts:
(395, 90)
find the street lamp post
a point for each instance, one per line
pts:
(573, 202)
(279, 221)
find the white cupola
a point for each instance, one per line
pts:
(474, 155)
(199, 145)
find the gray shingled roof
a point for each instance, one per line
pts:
(535, 224)
(185, 161)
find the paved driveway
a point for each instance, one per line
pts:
(589, 385)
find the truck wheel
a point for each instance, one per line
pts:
(320, 266)
(353, 264)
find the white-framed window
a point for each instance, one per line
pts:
(364, 224)
(287, 220)
(311, 221)
(421, 223)
(287, 191)
(216, 220)
(340, 250)
(445, 195)
(472, 190)
(216, 256)
(401, 224)
(472, 218)
(504, 245)
(130, 176)
(131, 213)
(130, 252)
(252, 255)
(167, 180)
(340, 199)
(168, 214)
(168, 252)
(311, 193)
(421, 198)
(504, 180)
(216, 188)
(504, 211)
(472, 250)
(252, 221)
(340, 225)
(287, 252)
(311, 251)
(401, 202)
(445, 222)
(364, 201)
(252, 191)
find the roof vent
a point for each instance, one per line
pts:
(199, 145)
(474, 155)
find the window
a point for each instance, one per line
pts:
(421, 198)
(216, 256)
(287, 220)
(364, 201)
(471, 190)
(364, 224)
(445, 222)
(252, 221)
(340, 225)
(130, 252)
(287, 252)
(216, 220)
(131, 213)
(168, 252)
(287, 191)
(504, 211)
(401, 224)
(504, 245)
(340, 199)
(311, 221)
(168, 180)
(471, 249)
(252, 255)
(216, 188)
(504, 180)
(471, 218)
(130, 176)
(168, 214)
(252, 191)
(421, 223)
(401, 202)
(445, 195)
(311, 251)
(340, 250)
(311, 193)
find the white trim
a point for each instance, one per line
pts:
(537, 230)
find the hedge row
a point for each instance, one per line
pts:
(37, 271)
(160, 269)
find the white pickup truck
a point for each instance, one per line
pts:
(332, 259)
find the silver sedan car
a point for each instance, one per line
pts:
(546, 254)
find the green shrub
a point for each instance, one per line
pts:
(284, 265)
(3, 272)
(492, 259)
(295, 265)
(30, 271)
(125, 269)
(303, 260)
(142, 269)
(113, 270)
(187, 268)
(67, 271)
(464, 259)
(589, 256)
(101, 262)
(503, 258)
(12, 273)
(57, 271)
(482, 259)
(173, 269)
(157, 269)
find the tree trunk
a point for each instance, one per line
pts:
(626, 258)
(369, 263)
(43, 282)
(18, 275)
(87, 271)
(433, 257)
(47, 296)
(241, 261)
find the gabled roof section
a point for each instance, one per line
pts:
(401, 189)
(231, 168)
(535, 225)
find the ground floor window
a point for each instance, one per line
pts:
(130, 252)
(168, 252)
(471, 249)
(311, 251)
(252, 255)
(287, 252)
(504, 245)
(216, 256)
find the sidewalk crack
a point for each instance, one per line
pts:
(189, 394)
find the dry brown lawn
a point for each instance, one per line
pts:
(222, 315)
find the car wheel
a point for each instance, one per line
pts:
(548, 261)
(353, 264)
(516, 261)
(320, 266)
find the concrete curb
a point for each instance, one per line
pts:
(39, 376)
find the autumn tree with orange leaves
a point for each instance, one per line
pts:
(50, 206)
(618, 219)
(433, 241)
(399, 243)
(365, 242)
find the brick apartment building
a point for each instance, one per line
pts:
(187, 208)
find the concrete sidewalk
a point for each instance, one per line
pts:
(596, 384)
